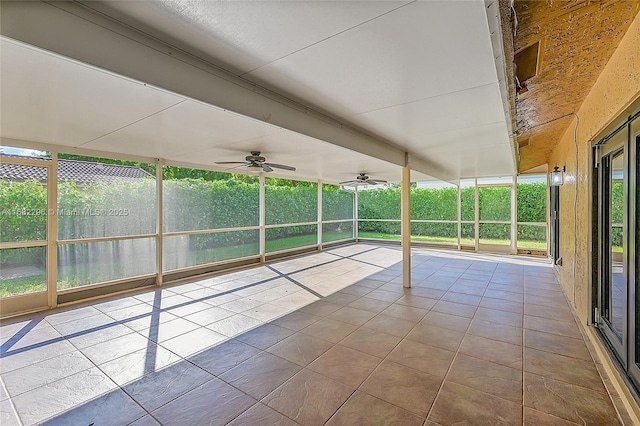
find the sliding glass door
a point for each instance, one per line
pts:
(617, 278)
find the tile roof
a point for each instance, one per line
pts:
(73, 170)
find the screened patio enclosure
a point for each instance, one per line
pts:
(112, 227)
(108, 91)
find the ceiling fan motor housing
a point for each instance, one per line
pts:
(255, 157)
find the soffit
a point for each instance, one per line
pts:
(577, 40)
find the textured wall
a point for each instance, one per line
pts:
(615, 89)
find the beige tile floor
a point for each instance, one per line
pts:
(325, 338)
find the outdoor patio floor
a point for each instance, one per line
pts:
(330, 337)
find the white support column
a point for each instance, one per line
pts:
(459, 215)
(52, 232)
(263, 220)
(159, 222)
(355, 214)
(320, 215)
(405, 215)
(477, 214)
(514, 216)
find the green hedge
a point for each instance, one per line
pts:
(441, 204)
(129, 208)
(532, 202)
(194, 204)
(106, 210)
(495, 203)
(291, 204)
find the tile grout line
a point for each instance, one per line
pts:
(303, 367)
(259, 401)
(304, 287)
(7, 351)
(10, 399)
(338, 343)
(593, 355)
(435, 400)
(381, 361)
(389, 353)
(96, 366)
(156, 343)
(524, 292)
(335, 344)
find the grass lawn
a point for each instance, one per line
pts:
(24, 285)
(539, 245)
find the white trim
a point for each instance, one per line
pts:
(356, 221)
(106, 239)
(23, 244)
(106, 283)
(477, 215)
(207, 265)
(159, 221)
(514, 215)
(25, 161)
(292, 249)
(433, 221)
(337, 221)
(320, 207)
(263, 218)
(290, 224)
(459, 216)
(211, 231)
(40, 146)
(52, 232)
(405, 226)
(338, 241)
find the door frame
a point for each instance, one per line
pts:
(19, 304)
(511, 248)
(554, 225)
(628, 353)
(606, 153)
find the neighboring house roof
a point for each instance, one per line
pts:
(73, 170)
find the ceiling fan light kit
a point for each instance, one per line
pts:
(256, 163)
(362, 179)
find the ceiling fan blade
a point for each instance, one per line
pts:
(231, 162)
(227, 169)
(378, 181)
(348, 182)
(280, 166)
(371, 182)
(266, 168)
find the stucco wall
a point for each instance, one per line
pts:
(616, 88)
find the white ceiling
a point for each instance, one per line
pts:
(51, 100)
(419, 75)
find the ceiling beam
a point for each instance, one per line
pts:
(76, 32)
(503, 56)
